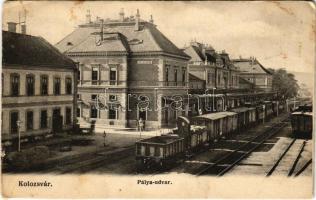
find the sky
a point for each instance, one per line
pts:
(278, 34)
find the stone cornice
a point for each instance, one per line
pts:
(117, 53)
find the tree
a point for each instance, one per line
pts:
(284, 83)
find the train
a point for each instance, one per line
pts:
(302, 122)
(199, 133)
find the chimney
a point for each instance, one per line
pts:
(137, 21)
(12, 27)
(88, 17)
(151, 19)
(23, 28)
(121, 15)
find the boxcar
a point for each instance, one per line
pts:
(198, 137)
(302, 124)
(245, 116)
(229, 123)
(214, 124)
(159, 151)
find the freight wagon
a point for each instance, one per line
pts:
(302, 122)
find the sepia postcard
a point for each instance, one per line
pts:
(157, 99)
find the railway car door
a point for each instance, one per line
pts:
(220, 126)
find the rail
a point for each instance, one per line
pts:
(231, 157)
(303, 168)
(297, 158)
(280, 158)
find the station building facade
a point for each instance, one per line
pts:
(38, 87)
(127, 70)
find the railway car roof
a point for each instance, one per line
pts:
(302, 113)
(211, 116)
(227, 113)
(242, 109)
(160, 140)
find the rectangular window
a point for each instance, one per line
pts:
(29, 120)
(68, 86)
(183, 75)
(94, 97)
(95, 75)
(175, 76)
(44, 85)
(30, 85)
(209, 77)
(93, 112)
(14, 117)
(78, 112)
(68, 115)
(15, 85)
(44, 119)
(167, 75)
(113, 76)
(56, 86)
(219, 79)
(79, 76)
(112, 113)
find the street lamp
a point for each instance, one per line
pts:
(18, 123)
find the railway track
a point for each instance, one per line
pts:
(84, 164)
(293, 166)
(229, 161)
(301, 170)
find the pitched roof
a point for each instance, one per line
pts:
(147, 39)
(250, 66)
(196, 54)
(27, 50)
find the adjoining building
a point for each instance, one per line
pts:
(38, 87)
(211, 73)
(216, 69)
(254, 72)
(127, 70)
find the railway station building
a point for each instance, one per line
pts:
(38, 87)
(253, 71)
(127, 70)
